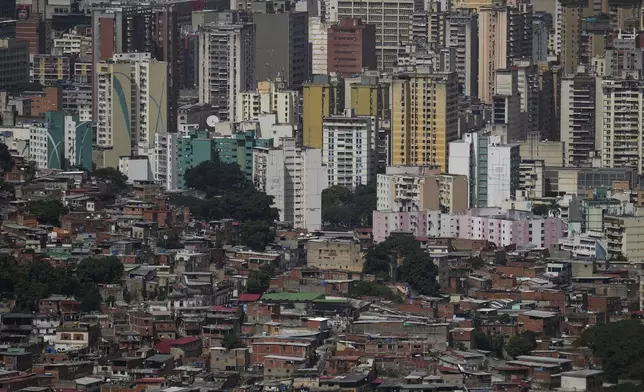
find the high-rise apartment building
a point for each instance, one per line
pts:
(318, 39)
(14, 63)
(269, 97)
(578, 116)
(580, 40)
(282, 47)
(140, 29)
(192, 150)
(226, 66)
(165, 160)
(351, 47)
(368, 96)
(621, 129)
(392, 20)
(295, 177)
(48, 69)
(324, 96)
(461, 33)
(349, 149)
(505, 34)
(424, 118)
(132, 105)
(492, 168)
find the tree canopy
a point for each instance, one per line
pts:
(6, 163)
(47, 212)
(229, 195)
(110, 181)
(521, 344)
(259, 281)
(620, 345)
(342, 207)
(216, 178)
(400, 257)
(372, 289)
(256, 234)
(38, 279)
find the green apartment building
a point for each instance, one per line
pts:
(239, 150)
(200, 147)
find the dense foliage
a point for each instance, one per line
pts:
(216, 178)
(229, 195)
(620, 345)
(259, 281)
(110, 181)
(6, 163)
(372, 289)
(401, 258)
(521, 344)
(47, 212)
(487, 342)
(344, 208)
(256, 234)
(31, 281)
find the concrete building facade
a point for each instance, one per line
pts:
(226, 66)
(349, 149)
(423, 140)
(295, 177)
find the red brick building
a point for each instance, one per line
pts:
(351, 47)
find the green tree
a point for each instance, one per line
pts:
(110, 301)
(231, 341)
(6, 163)
(259, 281)
(30, 171)
(487, 342)
(554, 208)
(620, 345)
(126, 294)
(256, 235)
(342, 207)
(521, 344)
(618, 256)
(420, 273)
(540, 209)
(417, 268)
(215, 178)
(372, 289)
(103, 270)
(91, 298)
(47, 212)
(111, 182)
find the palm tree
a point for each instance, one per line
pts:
(554, 208)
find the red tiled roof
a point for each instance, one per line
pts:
(186, 340)
(165, 346)
(249, 297)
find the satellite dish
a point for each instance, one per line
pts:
(211, 121)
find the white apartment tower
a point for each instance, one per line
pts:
(349, 149)
(164, 167)
(132, 98)
(295, 177)
(270, 97)
(461, 33)
(226, 66)
(622, 123)
(392, 20)
(318, 38)
(580, 125)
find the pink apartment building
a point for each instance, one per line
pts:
(491, 224)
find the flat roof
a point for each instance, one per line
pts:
(292, 297)
(582, 373)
